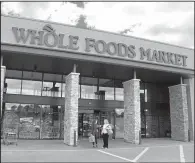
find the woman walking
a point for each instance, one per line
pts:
(105, 133)
(95, 131)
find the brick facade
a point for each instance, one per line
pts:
(132, 116)
(178, 112)
(71, 108)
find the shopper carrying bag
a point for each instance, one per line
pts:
(95, 131)
(106, 130)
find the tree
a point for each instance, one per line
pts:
(11, 13)
(82, 23)
(130, 29)
(79, 4)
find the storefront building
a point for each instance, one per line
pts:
(55, 79)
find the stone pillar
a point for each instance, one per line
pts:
(3, 70)
(71, 108)
(190, 100)
(132, 116)
(178, 112)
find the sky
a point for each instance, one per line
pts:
(169, 22)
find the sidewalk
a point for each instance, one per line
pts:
(84, 144)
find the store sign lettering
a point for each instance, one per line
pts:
(48, 37)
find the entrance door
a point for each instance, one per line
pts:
(85, 121)
(50, 122)
(85, 124)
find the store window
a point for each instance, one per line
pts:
(106, 86)
(29, 119)
(119, 90)
(50, 127)
(88, 88)
(13, 86)
(119, 124)
(52, 85)
(52, 89)
(30, 123)
(30, 87)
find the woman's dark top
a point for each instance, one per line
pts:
(94, 129)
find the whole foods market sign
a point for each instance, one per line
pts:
(48, 37)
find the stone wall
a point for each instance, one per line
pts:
(71, 108)
(3, 70)
(178, 112)
(132, 117)
(190, 100)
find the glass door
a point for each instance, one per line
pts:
(50, 122)
(87, 124)
(119, 124)
(80, 125)
(29, 121)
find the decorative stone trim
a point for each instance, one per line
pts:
(190, 100)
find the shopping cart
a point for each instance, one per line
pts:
(10, 137)
(10, 128)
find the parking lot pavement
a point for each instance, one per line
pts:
(126, 153)
(58, 156)
(161, 154)
(55, 151)
(188, 155)
(166, 153)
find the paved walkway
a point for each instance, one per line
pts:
(151, 150)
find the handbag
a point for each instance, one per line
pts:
(92, 139)
(109, 130)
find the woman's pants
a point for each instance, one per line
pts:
(105, 140)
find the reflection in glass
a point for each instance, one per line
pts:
(56, 90)
(109, 92)
(119, 94)
(119, 125)
(46, 122)
(119, 90)
(13, 86)
(88, 88)
(29, 121)
(11, 107)
(63, 89)
(62, 122)
(88, 92)
(10, 119)
(51, 89)
(50, 127)
(30, 87)
(107, 85)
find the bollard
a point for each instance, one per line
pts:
(140, 137)
(75, 141)
(188, 135)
